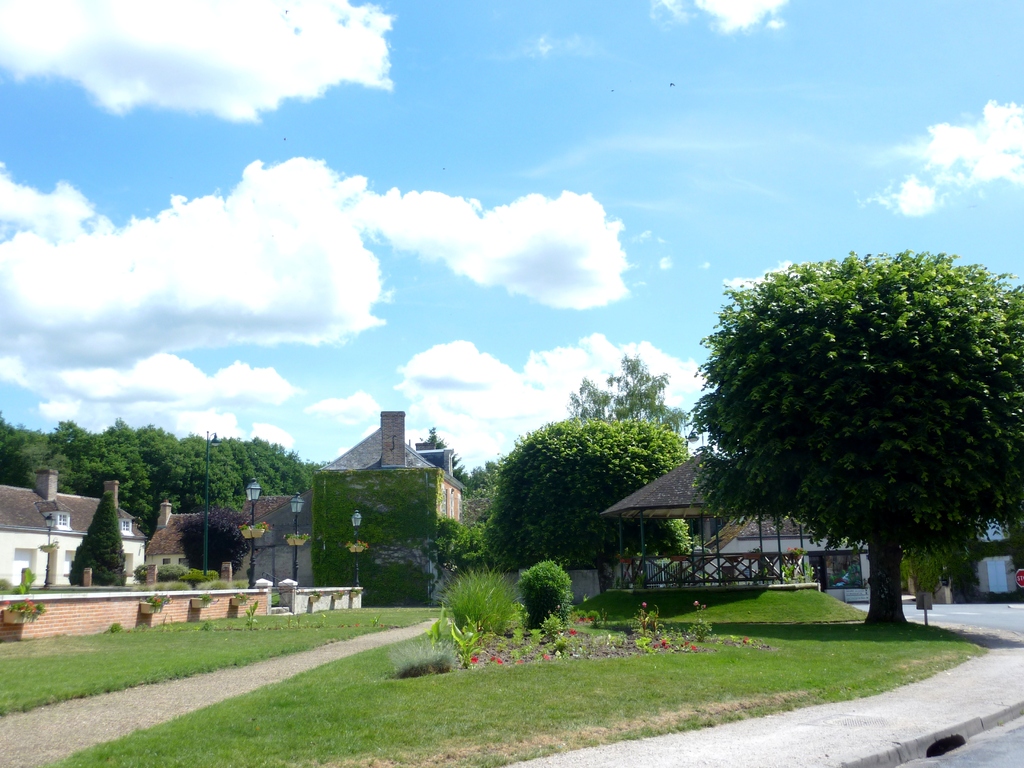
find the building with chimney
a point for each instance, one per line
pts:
(33, 520)
(400, 492)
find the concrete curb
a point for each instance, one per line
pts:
(914, 749)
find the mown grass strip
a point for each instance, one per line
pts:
(45, 671)
(351, 712)
(727, 606)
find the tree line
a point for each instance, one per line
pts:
(151, 465)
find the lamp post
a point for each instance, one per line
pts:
(214, 441)
(252, 493)
(296, 508)
(356, 520)
(49, 529)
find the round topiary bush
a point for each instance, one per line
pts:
(546, 589)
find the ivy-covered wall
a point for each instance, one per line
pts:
(399, 509)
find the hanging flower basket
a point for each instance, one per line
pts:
(198, 603)
(153, 604)
(239, 600)
(52, 547)
(253, 531)
(357, 546)
(23, 612)
(296, 539)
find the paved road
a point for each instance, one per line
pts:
(999, 748)
(1004, 616)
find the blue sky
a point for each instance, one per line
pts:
(278, 219)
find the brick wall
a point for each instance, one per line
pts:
(91, 614)
(392, 433)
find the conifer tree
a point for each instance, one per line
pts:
(101, 549)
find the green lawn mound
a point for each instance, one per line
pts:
(741, 606)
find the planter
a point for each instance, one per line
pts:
(294, 541)
(147, 608)
(252, 533)
(355, 548)
(17, 617)
(197, 603)
(236, 603)
(49, 547)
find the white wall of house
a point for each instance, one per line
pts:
(19, 548)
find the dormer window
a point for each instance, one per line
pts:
(64, 521)
(126, 527)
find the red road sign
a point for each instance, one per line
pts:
(1020, 578)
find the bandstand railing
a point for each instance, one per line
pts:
(706, 569)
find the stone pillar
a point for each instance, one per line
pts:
(87, 577)
(264, 585)
(226, 571)
(286, 590)
(357, 597)
(151, 575)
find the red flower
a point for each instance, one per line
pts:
(664, 643)
(693, 647)
(474, 659)
(696, 603)
(643, 605)
(746, 639)
(547, 657)
(572, 631)
(520, 661)
(498, 661)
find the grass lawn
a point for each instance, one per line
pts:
(740, 606)
(36, 672)
(351, 712)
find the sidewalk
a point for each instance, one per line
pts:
(883, 730)
(46, 734)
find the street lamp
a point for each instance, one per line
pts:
(356, 520)
(49, 529)
(296, 508)
(214, 441)
(252, 493)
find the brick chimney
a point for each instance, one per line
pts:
(46, 484)
(392, 432)
(112, 486)
(164, 519)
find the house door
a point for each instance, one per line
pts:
(818, 569)
(997, 576)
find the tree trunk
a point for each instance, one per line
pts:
(886, 598)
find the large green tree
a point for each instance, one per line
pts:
(557, 480)
(101, 549)
(633, 394)
(877, 399)
(14, 464)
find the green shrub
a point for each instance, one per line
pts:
(196, 576)
(170, 572)
(216, 584)
(546, 589)
(101, 549)
(5, 586)
(178, 586)
(422, 658)
(481, 599)
(115, 628)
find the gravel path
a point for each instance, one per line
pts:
(49, 733)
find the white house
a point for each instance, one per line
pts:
(31, 518)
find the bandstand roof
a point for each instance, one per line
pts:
(673, 495)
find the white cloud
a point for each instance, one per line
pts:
(210, 420)
(706, 265)
(665, 262)
(273, 435)
(354, 409)
(564, 253)
(960, 157)
(727, 16)
(483, 404)
(277, 260)
(280, 259)
(545, 46)
(746, 282)
(234, 58)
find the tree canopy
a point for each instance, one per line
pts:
(557, 480)
(632, 394)
(151, 465)
(876, 399)
(225, 542)
(102, 548)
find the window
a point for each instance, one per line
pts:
(63, 520)
(843, 571)
(126, 527)
(166, 561)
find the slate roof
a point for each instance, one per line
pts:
(366, 454)
(24, 508)
(673, 495)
